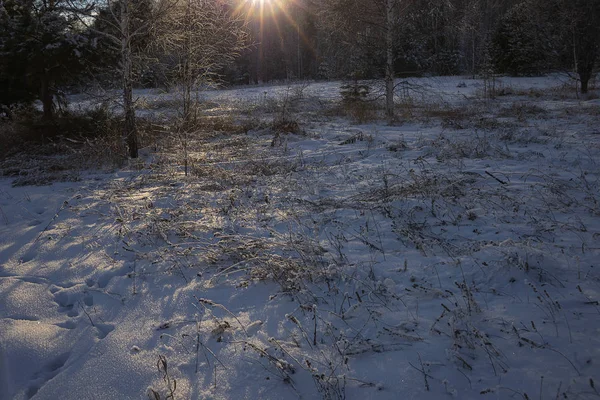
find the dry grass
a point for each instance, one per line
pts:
(38, 152)
(359, 112)
(451, 117)
(522, 111)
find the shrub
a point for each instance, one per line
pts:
(353, 92)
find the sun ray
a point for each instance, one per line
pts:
(278, 14)
(288, 16)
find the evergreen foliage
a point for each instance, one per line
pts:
(519, 45)
(41, 52)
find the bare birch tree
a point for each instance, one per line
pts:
(200, 37)
(122, 28)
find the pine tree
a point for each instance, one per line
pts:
(40, 51)
(520, 47)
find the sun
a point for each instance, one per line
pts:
(254, 8)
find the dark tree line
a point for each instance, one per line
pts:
(346, 38)
(50, 46)
(40, 52)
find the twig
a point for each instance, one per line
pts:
(4, 217)
(65, 204)
(198, 345)
(566, 358)
(134, 275)
(161, 364)
(422, 370)
(315, 330)
(499, 180)
(86, 313)
(206, 302)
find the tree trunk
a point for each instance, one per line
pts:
(586, 35)
(389, 65)
(473, 70)
(130, 130)
(260, 73)
(584, 77)
(187, 94)
(46, 98)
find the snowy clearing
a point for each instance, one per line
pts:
(454, 254)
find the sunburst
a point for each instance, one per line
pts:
(261, 11)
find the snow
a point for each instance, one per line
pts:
(453, 255)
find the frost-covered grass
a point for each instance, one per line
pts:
(451, 254)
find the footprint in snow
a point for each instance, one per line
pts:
(67, 325)
(104, 330)
(63, 299)
(46, 374)
(73, 313)
(88, 300)
(107, 275)
(30, 255)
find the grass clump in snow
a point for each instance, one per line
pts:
(37, 151)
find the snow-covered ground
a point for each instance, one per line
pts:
(454, 254)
